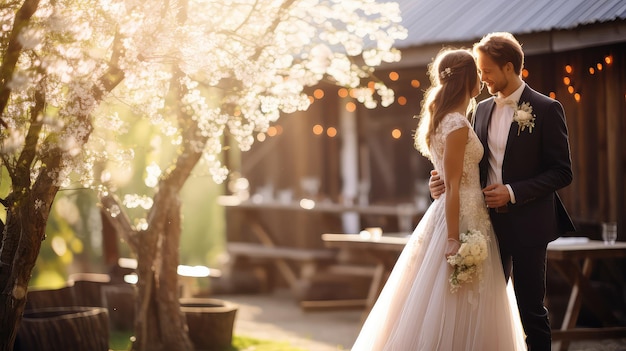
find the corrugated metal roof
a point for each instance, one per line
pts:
(438, 21)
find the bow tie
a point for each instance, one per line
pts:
(504, 102)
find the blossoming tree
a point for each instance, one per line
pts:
(197, 70)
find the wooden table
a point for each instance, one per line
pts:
(385, 251)
(268, 244)
(575, 260)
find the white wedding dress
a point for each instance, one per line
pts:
(416, 309)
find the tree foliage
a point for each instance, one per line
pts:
(196, 70)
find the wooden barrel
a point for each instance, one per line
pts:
(210, 322)
(119, 299)
(64, 329)
(45, 298)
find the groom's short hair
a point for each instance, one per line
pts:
(502, 47)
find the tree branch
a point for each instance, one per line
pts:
(14, 49)
(120, 221)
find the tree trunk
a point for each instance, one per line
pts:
(159, 323)
(24, 231)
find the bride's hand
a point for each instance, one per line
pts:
(435, 185)
(452, 247)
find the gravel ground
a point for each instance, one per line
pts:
(277, 316)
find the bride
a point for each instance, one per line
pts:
(418, 308)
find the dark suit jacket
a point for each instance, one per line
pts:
(536, 165)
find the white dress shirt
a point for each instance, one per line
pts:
(498, 134)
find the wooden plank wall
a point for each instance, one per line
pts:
(596, 129)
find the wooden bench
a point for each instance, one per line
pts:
(187, 275)
(308, 260)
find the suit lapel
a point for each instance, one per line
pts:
(513, 140)
(525, 97)
(481, 127)
(482, 121)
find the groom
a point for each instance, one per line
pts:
(526, 160)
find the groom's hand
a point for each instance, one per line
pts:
(496, 195)
(436, 185)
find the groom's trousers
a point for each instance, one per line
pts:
(527, 265)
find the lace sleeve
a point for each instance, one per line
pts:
(450, 123)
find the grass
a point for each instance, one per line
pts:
(120, 341)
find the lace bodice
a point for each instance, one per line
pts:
(472, 210)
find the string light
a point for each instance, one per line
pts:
(608, 59)
(568, 69)
(272, 131)
(592, 70)
(401, 100)
(260, 137)
(570, 89)
(343, 92)
(318, 129)
(396, 133)
(599, 66)
(524, 73)
(350, 106)
(552, 95)
(577, 97)
(415, 83)
(566, 80)
(331, 132)
(318, 93)
(394, 76)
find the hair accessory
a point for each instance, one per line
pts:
(447, 72)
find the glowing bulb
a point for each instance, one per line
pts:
(331, 132)
(318, 93)
(318, 129)
(350, 106)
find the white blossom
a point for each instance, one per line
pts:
(236, 75)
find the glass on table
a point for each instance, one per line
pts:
(609, 233)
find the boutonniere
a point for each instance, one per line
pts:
(524, 117)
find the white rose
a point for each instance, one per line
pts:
(475, 250)
(523, 116)
(464, 250)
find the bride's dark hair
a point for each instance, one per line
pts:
(453, 75)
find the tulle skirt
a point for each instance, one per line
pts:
(417, 311)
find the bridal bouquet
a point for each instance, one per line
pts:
(467, 262)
